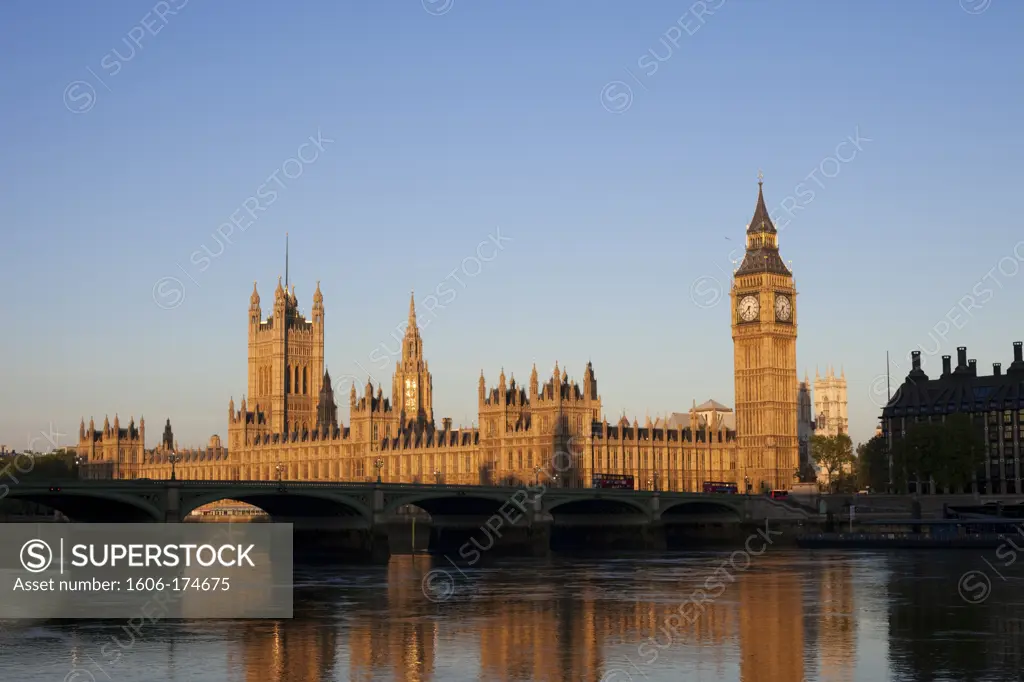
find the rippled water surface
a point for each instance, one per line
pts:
(783, 616)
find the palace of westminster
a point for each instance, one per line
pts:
(287, 425)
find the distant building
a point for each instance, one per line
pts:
(830, 403)
(994, 403)
(114, 452)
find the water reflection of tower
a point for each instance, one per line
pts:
(837, 625)
(771, 624)
(545, 639)
(287, 651)
(401, 642)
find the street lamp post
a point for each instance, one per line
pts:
(173, 457)
(280, 471)
(536, 476)
(79, 461)
(379, 463)
(554, 478)
(437, 476)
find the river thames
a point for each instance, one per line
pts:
(781, 616)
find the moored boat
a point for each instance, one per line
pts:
(977, 533)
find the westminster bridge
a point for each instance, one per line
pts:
(356, 518)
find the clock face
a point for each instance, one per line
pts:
(748, 308)
(410, 395)
(783, 308)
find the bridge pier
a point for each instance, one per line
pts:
(473, 543)
(626, 537)
(342, 545)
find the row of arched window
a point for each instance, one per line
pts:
(296, 380)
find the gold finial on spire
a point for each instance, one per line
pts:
(760, 177)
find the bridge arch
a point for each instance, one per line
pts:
(458, 502)
(286, 503)
(684, 510)
(90, 506)
(599, 505)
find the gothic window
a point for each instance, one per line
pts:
(375, 432)
(304, 386)
(520, 460)
(288, 380)
(510, 459)
(297, 384)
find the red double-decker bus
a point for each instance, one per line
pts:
(616, 481)
(720, 487)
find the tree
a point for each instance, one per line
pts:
(832, 453)
(872, 464)
(963, 453)
(59, 465)
(945, 454)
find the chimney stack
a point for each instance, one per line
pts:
(446, 423)
(1017, 354)
(916, 359)
(972, 366)
(997, 369)
(946, 370)
(961, 357)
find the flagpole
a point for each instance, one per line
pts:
(888, 390)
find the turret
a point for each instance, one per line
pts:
(482, 388)
(81, 431)
(326, 410)
(589, 383)
(318, 305)
(534, 385)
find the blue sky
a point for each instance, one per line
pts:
(613, 146)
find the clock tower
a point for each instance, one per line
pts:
(412, 387)
(764, 345)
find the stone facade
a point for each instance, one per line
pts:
(286, 426)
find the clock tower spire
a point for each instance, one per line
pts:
(764, 343)
(412, 387)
